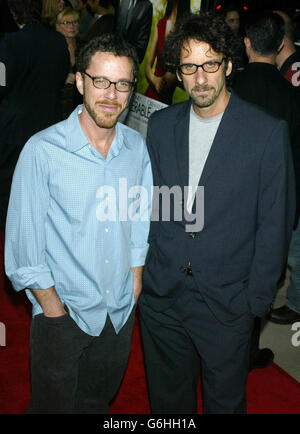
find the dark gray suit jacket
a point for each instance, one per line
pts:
(249, 209)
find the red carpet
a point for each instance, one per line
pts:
(269, 391)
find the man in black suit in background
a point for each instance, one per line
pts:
(288, 63)
(261, 83)
(36, 63)
(133, 22)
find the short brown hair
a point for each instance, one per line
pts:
(107, 43)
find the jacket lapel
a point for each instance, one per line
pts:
(181, 141)
(222, 142)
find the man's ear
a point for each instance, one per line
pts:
(79, 82)
(229, 68)
(247, 42)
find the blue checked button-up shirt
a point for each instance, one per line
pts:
(67, 225)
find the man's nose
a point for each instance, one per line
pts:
(111, 91)
(201, 76)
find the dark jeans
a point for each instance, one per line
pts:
(73, 372)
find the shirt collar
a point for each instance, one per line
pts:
(76, 139)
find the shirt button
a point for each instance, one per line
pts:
(106, 261)
(106, 229)
(107, 291)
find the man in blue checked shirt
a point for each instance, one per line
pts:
(71, 243)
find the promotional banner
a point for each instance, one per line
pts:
(154, 81)
(141, 108)
(157, 88)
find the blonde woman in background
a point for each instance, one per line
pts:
(67, 23)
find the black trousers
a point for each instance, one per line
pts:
(73, 372)
(187, 341)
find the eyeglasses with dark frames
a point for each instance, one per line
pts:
(105, 83)
(192, 68)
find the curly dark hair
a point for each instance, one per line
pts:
(25, 11)
(107, 43)
(265, 31)
(202, 27)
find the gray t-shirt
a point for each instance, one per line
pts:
(201, 136)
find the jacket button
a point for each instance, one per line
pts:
(189, 271)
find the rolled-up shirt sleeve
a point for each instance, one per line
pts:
(141, 223)
(25, 239)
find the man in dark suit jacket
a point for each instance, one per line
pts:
(288, 63)
(36, 61)
(204, 284)
(133, 22)
(261, 83)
